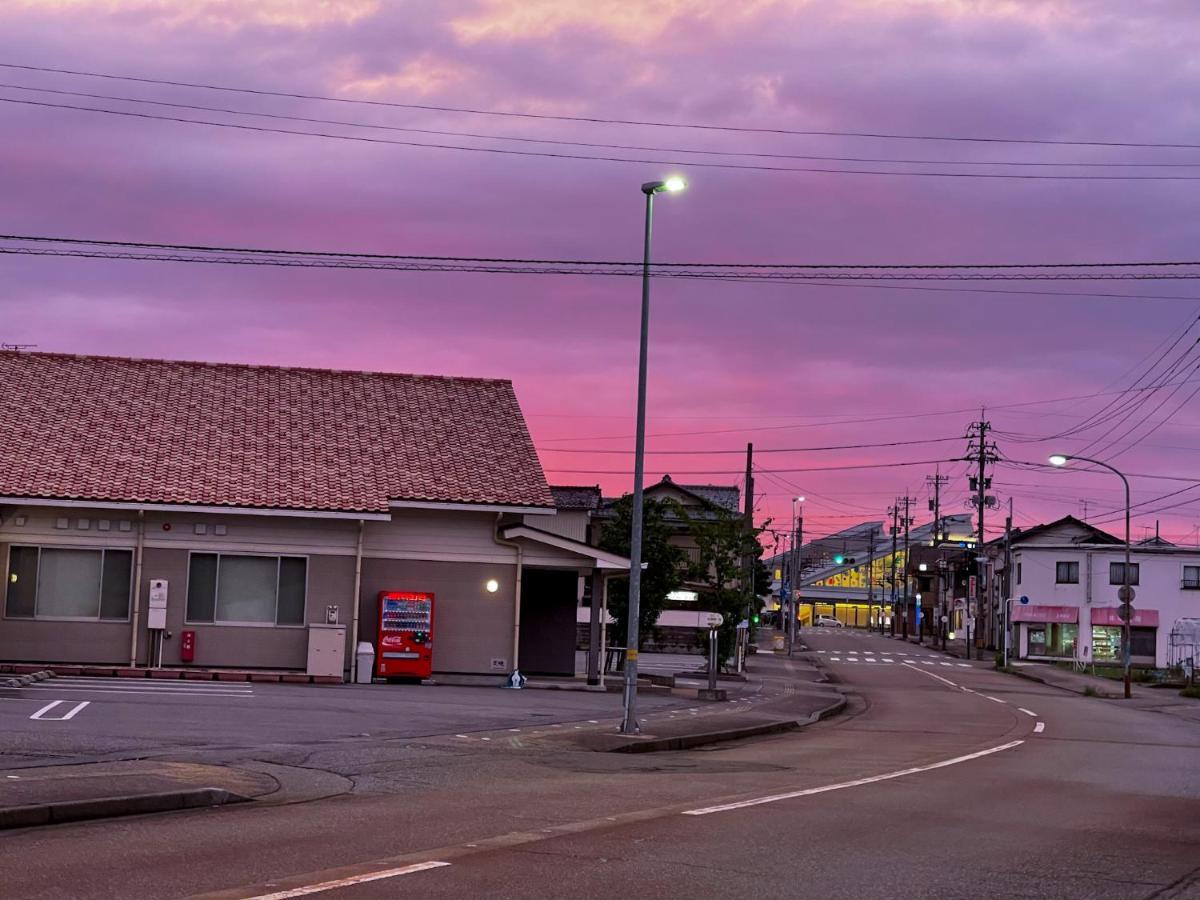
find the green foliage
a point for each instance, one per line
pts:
(664, 565)
(1192, 692)
(725, 543)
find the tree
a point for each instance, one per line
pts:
(725, 543)
(664, 563)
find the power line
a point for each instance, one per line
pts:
(957, 437)
(545, 154)
(887, 465)
(275, 251)
(599, 144)
(295, 95)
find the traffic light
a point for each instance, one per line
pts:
(755, 618)
(839, 559)
(842, 560)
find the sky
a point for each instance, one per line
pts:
(782, 366)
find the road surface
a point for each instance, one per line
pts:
(942, 779)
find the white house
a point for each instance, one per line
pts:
(1064, 594)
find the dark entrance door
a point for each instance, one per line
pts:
(548, 602)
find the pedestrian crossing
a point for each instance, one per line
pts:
(867, 660)
(72, 684)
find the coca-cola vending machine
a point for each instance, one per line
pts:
(405, 645)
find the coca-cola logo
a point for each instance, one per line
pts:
(393, 640)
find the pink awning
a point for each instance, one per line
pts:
(1029, 613)
(1142, 618)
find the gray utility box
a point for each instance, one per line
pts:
(327, 650)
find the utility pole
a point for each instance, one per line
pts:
(748, 562)
(982, 453)
(893, 511)
(871, 578)
(936, 481)
(1008, 580)
(907, 593)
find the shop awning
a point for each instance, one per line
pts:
(1033, 613)
(1142, 618)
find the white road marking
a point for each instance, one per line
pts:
(835, 659)
(930, 674)
(74, 710)
(1039, 727)
(964, 665)
(994, 699)
(350, 881)
(172, 692)
(45, 709)
(807, 792)
(1027, 712)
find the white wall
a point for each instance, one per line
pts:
(1161, 575)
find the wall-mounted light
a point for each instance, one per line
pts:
(492, 585)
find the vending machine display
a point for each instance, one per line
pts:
(405, 646)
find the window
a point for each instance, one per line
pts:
(1191, 578)
(1066, 573)
(258, 590)
(1116, 573)
(1018, 573)
(66, 583)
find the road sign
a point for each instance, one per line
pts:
(1126, 594)
(1125, 612)
(711, 620)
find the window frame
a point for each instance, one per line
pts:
(1135, 574)
(1073, 569)
(38, 582)
(278, 557)
(1187, 584)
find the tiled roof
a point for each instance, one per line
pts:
(576, 497)
(716, 494)
(152, 431)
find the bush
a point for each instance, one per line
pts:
(1193, 692)
(1090, 691)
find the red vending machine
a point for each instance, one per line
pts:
(405, 646)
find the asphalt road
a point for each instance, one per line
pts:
(937, 782)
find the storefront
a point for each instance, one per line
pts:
(1107, 631)
(1047, 631)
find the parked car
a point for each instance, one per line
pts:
(828, 622)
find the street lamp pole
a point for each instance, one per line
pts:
(1060, 459)
(629, 724)
(794, 599)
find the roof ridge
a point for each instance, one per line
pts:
(202, 364)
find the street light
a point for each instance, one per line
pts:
(629, 724)
(1061, 459)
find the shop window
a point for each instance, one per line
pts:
(1116, 573)
(1191, 578)
(67, 583)
(1053, 639)
(1106, 642)
(262, 590)
(1066, 573)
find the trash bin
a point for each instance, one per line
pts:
(365, 657)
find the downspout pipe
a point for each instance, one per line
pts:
(135, 619)
(515, 678)
(356, 603)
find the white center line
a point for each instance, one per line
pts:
(930, 674)
(807, 792)
(1039, 727)
(351, 880)
(1027, 712)
(994, 699)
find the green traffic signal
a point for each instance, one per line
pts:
(839, 559)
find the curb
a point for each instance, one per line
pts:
(16, 681)
(687, 741)
(110, 807)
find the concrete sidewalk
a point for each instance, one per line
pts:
(1154, 699)
(54, 794)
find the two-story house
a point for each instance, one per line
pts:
(1064, 594)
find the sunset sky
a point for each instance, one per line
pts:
(784, 366)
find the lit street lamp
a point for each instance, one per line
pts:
(1126, 595)
(629, 724)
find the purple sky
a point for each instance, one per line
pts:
(725, 357)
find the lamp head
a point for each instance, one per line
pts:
(672, 184)
(1058, 459)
